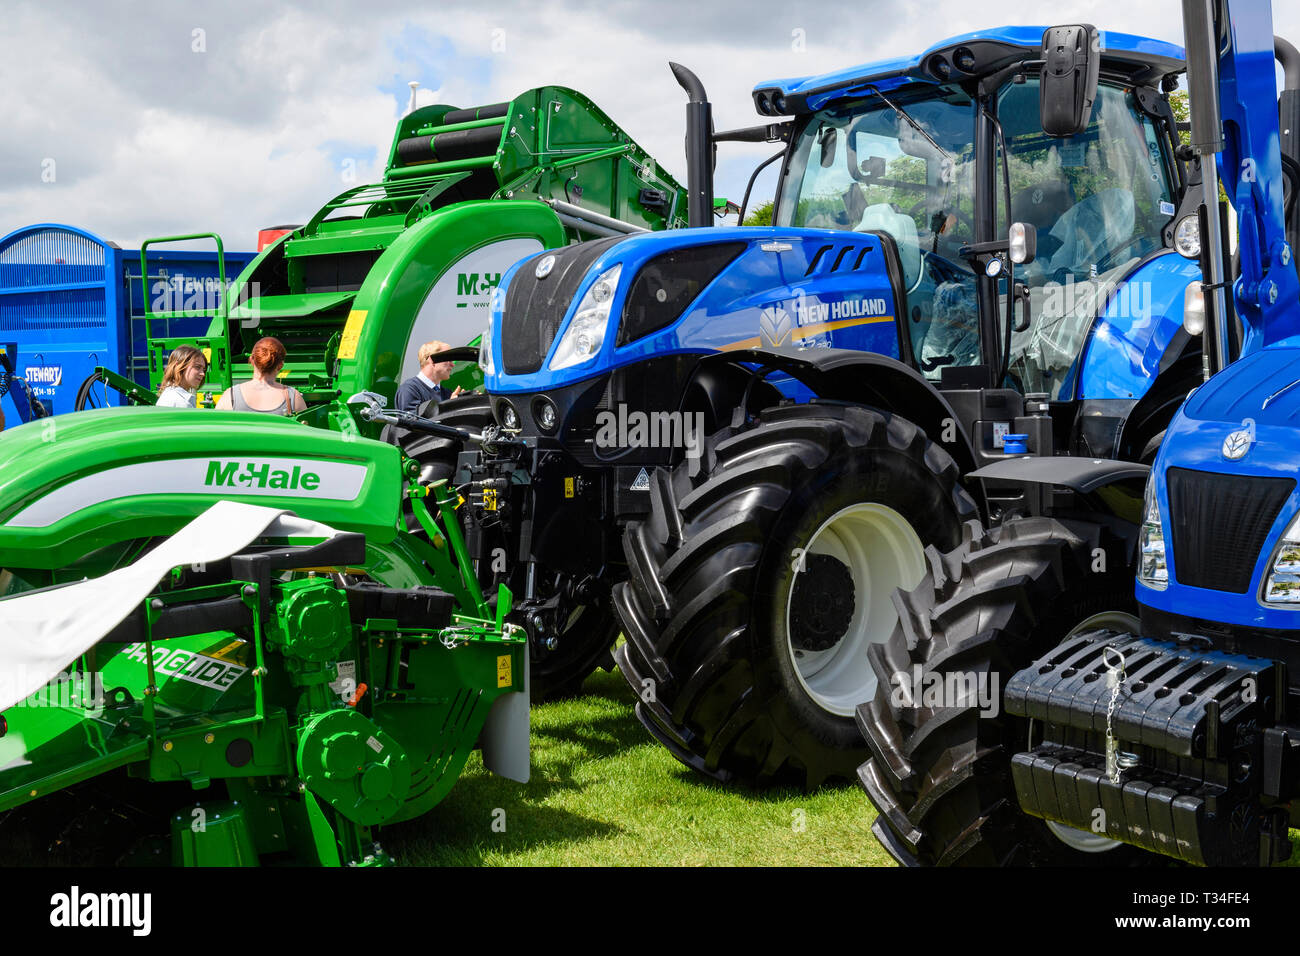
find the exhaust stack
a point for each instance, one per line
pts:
(699, 148)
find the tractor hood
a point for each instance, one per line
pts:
(573, 314)
(72, 484)
(1238, 484)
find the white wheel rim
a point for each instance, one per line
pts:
(1086, 841)
(882, 552)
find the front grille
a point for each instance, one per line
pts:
(1219, 524)
(534, 307)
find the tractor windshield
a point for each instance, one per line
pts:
(1100, 202)
(861, 166)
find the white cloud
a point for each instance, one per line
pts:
(151, 137)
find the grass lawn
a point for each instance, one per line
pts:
(604, 793)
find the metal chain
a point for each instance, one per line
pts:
(1115, 676)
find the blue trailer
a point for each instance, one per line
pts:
(71, 301)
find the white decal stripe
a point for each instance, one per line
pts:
(441, 315)
(187, 476)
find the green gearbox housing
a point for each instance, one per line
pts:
(311, 620)
(351, 764)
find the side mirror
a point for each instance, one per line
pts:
(1068, 85)
(1022, 242)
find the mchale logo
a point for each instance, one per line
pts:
(44, 375)
(474, 283)
(226, 474)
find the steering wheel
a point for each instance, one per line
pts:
(944, 269)
(1110, 258)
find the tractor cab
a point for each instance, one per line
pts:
(940, 159)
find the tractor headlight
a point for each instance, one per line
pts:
(1152, 570)
(1187, 237)
(1282, 586)
(545, 415)
(586, 333)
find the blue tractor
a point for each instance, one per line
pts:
(740, 441)
(1030, 707)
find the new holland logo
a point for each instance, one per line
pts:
(544, 266)
(774, 325)
(1238, 443)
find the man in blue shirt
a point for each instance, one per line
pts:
(427, 384)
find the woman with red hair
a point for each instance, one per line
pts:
(264, 393)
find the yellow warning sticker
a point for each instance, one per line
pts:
(352, 333)
(235, 652)
(503, 671)
(568, 487)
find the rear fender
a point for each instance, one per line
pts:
(1098, 490)
(863, 378)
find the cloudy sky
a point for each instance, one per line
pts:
(175, 117)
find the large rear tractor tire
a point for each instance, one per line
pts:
(940, 769)
(758, 584)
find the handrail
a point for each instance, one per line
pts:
(144, 278)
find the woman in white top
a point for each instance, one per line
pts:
(186, 369)
(264, 393)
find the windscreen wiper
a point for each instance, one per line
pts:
(913, 123)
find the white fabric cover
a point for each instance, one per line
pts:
(46, 631)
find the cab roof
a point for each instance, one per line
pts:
(1139, 59)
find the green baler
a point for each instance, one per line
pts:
(384, 267)
(328, 669)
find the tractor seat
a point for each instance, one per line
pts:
(1042, 205)
(902, 228)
